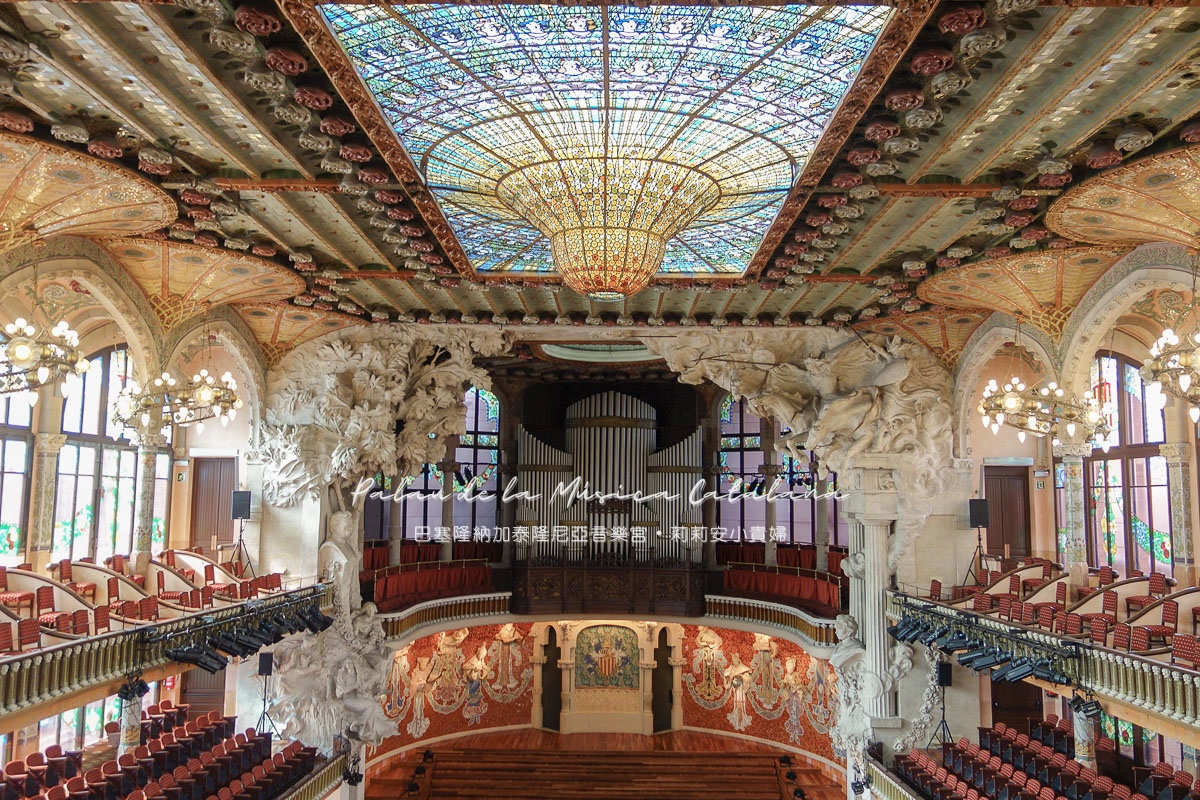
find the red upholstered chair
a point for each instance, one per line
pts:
(1104, 619)
(121, 565)
(7, 645)
(1105, 576)
(86, 589)
(1184, 650)
(46, 613)
(1121, 636)
(100, 619)
(172, 595)
(1157, 587)
(1170, 622)
(935, 590)
(981, 602)
(148, 608)
(1139, 639)
(1070, 624)
(1060, 599)
(16, 600)
(227, 589)
(1029, 584)
(80, 622)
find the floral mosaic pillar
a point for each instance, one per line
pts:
(822, 486)
(1179, 479)
(40, 541)
(1074, 537)
(149, 446)
(1085, 741)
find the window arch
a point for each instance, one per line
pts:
(1128, 508)
(98, 469)
(16, 457)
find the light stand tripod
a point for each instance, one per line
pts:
(941, 734)
(975, 568)
(240, 553)
(264, 720)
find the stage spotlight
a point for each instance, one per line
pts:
(1091, 709)
(933, 636)
(1019, 670)
(1044, 670)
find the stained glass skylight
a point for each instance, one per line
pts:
(483, 95)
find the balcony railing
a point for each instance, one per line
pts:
(55, 672)
(813, 630)
(447, 609)
(884, 784)
(322, 782)
(1157, 687)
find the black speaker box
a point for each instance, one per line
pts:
(266, 661)
(979, 513)
(945, 676)
(239, 505)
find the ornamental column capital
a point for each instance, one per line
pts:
(49, 442)
(1072, 451)
(1176, 452)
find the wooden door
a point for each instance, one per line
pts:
(203, 691)
(1015, 704)
(662, 683)
(1007, 493)
(212, 488)
(551, 683)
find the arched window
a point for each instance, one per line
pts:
(1128, 504)
(740, 458)
(97, 469)
(15, 466)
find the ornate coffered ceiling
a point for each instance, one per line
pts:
(948, 154)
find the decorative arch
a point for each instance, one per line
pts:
(237, 339)
(83, 261)
(1149, 267)
(980, 349)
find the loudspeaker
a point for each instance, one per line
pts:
(945, 676)
(979, 513)
(239, 505)
(266, 661)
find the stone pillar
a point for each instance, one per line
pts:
(822, 487)
(871, 505)
(40, 539)
(1179, 478)
(770, 470)
(712, 483)
(1074, 544)
(131, 725)
(150, 444)
(448, 466)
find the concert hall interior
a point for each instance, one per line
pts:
(514, 399)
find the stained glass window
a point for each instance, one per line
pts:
(478, 459)
(16, 448)
(1128, 493)
(477, 93)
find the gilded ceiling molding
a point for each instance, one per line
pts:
(52, 191)
(942, 331)
(1153, 199)
(307, 21)
(279, 327)
(1143, 270)
(73, 258)
(1040, 288)
(887, 55)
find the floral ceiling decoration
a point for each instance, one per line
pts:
(944, 331)
(1150, 200)
(678, 130)
(184, 280)
(279, 327)
(49, 190)
(1041, 288)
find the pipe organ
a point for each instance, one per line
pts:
(611, 441)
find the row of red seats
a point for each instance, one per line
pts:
(824, 592)
(398, 590)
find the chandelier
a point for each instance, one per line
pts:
(169, 401)
(31, 359)
(1174, 363)
(608, 219)
(1047, 410)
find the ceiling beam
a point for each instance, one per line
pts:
(277, 185)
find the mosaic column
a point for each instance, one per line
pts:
(448, 467)
(150, 444)
(40, 540)
(131, 726)
(1073, 542)
(1085, 741)
(1179, 479)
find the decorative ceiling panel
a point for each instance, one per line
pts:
(944, 331)
(279, 327)
(183, 280)
(478, 94)
(1150, 200)
(1040, 288)
(47, 190)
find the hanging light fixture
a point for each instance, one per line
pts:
(1044, 410)
(1174, 364)
(31, 359)
(168, 400)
